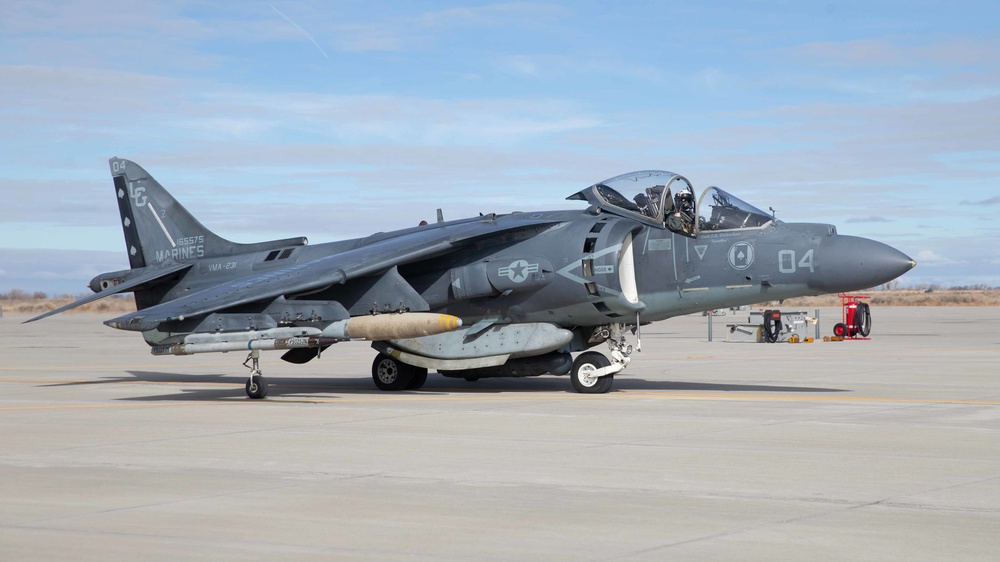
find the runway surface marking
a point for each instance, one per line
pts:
(492, 395)
(96, 406)
(219, 365)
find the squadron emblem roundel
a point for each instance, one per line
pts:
(741, 255)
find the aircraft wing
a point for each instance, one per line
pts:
(324, 271)
(141, 279)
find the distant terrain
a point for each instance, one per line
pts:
(18, 301)
(39, 302)
(910, 297)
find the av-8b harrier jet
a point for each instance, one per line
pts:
(511, 295)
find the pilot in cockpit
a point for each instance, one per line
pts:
(685, 202)
(681, 219)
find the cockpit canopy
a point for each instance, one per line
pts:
(719, 210)
(654, 196)
(666, 200)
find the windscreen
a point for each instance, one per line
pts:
(719, 210)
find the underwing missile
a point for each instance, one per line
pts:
(244, 345)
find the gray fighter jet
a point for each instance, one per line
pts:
(490, 296)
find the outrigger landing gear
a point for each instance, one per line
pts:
(593, 373)
(256, 385)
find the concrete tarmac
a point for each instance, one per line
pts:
(887, 449)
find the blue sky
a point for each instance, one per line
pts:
(338, 119)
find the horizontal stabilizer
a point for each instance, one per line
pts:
(152, 274)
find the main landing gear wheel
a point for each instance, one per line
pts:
(582, 373)
(256, 385)
(418, 380)
(391, 374)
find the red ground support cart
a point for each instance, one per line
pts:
(856, 318)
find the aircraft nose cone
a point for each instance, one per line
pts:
(851, 263)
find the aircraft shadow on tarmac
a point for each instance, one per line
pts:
(230, 387)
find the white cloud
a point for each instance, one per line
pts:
(501, 14)
(873, 218)
(398, 119)
(932, 258)
(989, 201)
(521, 64)
(900, 51)
(365, 38)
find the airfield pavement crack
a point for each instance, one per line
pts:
(746, 427)
(737, 531)
(892, 501)
(888, 502)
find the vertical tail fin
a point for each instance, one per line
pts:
(158, 228)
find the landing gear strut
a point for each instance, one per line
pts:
(256, 385)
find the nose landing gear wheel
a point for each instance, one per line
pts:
(391, 374)
(582, 374)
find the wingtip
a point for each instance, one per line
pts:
(40, 316)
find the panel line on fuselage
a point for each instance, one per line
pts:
(673, 254)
